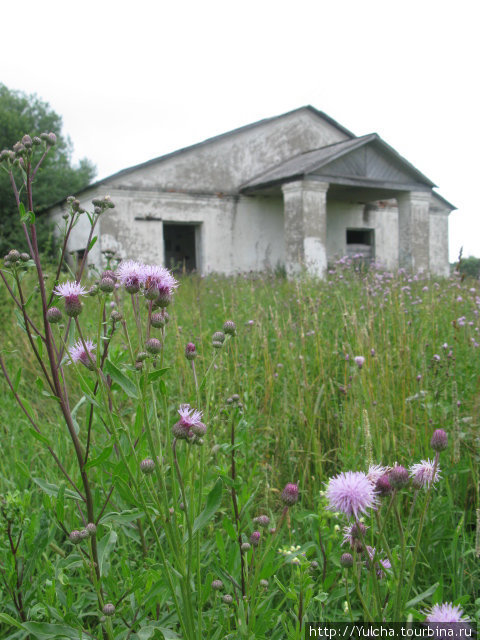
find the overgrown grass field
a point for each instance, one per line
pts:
(301, 410)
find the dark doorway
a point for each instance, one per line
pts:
(361, 242)
(179, 241)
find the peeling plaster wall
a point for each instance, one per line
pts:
(143, 239)
(258, 234)
(343, 215)
(439, 262)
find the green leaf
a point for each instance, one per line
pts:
(214, 500)
(92, 242)
(101, 458)
(52, 489)
(47, 631)
(60, 505)
(422, 596)
(121, 379)
(155, 375)
(27, 217)
(105, 548)
(122, 518)
(16, 381)
(40, 437)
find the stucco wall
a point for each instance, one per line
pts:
(343, 215)
(258, 234)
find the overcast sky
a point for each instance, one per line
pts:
(135, 80)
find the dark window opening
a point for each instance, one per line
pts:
(179, 244)
(361, 243)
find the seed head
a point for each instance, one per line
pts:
(290, 494)
(439, 441)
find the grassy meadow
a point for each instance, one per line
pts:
(305, 412)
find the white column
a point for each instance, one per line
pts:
(414, 230)
(305, 210)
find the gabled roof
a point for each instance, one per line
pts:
(198, 145)
(326, 160)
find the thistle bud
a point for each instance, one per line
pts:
(84, 534)
(51, 139)
(439, 441)
(190, 351)
(91, 528)
(346, 560)
(398, 477)
(75, 537)
(27, 141)
(141, 356)
(108, 609)
(217, 585)
(383, 486)
(24, 257)
(157, 320)
(116, 316)
(147, 466)
(93, 290)
(107, 285)
(227, 598)
(230, 327)
(163, 299)
(263, 583)
(219, 337)
(153, 346)
(13, 255)
(36, 141)
(245, 547)
(262, 521)
(54, 315)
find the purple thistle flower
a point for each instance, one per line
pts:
(78, 353)
(158, 282)
(353, 535)
(132, 275)
(255, 538)
(71, 292)
(190, 423)
(351, 493)
(422, 473)
(290, 494)
(359, 361)
(446, 612)
(375, 471)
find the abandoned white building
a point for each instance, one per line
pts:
(296, 191)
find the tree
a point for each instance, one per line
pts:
(470, 267)
(57, 178)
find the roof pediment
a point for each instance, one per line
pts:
(363, 161)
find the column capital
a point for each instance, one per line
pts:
(305, 185)
(419, 196)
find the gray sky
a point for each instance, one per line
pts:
(135, 80)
